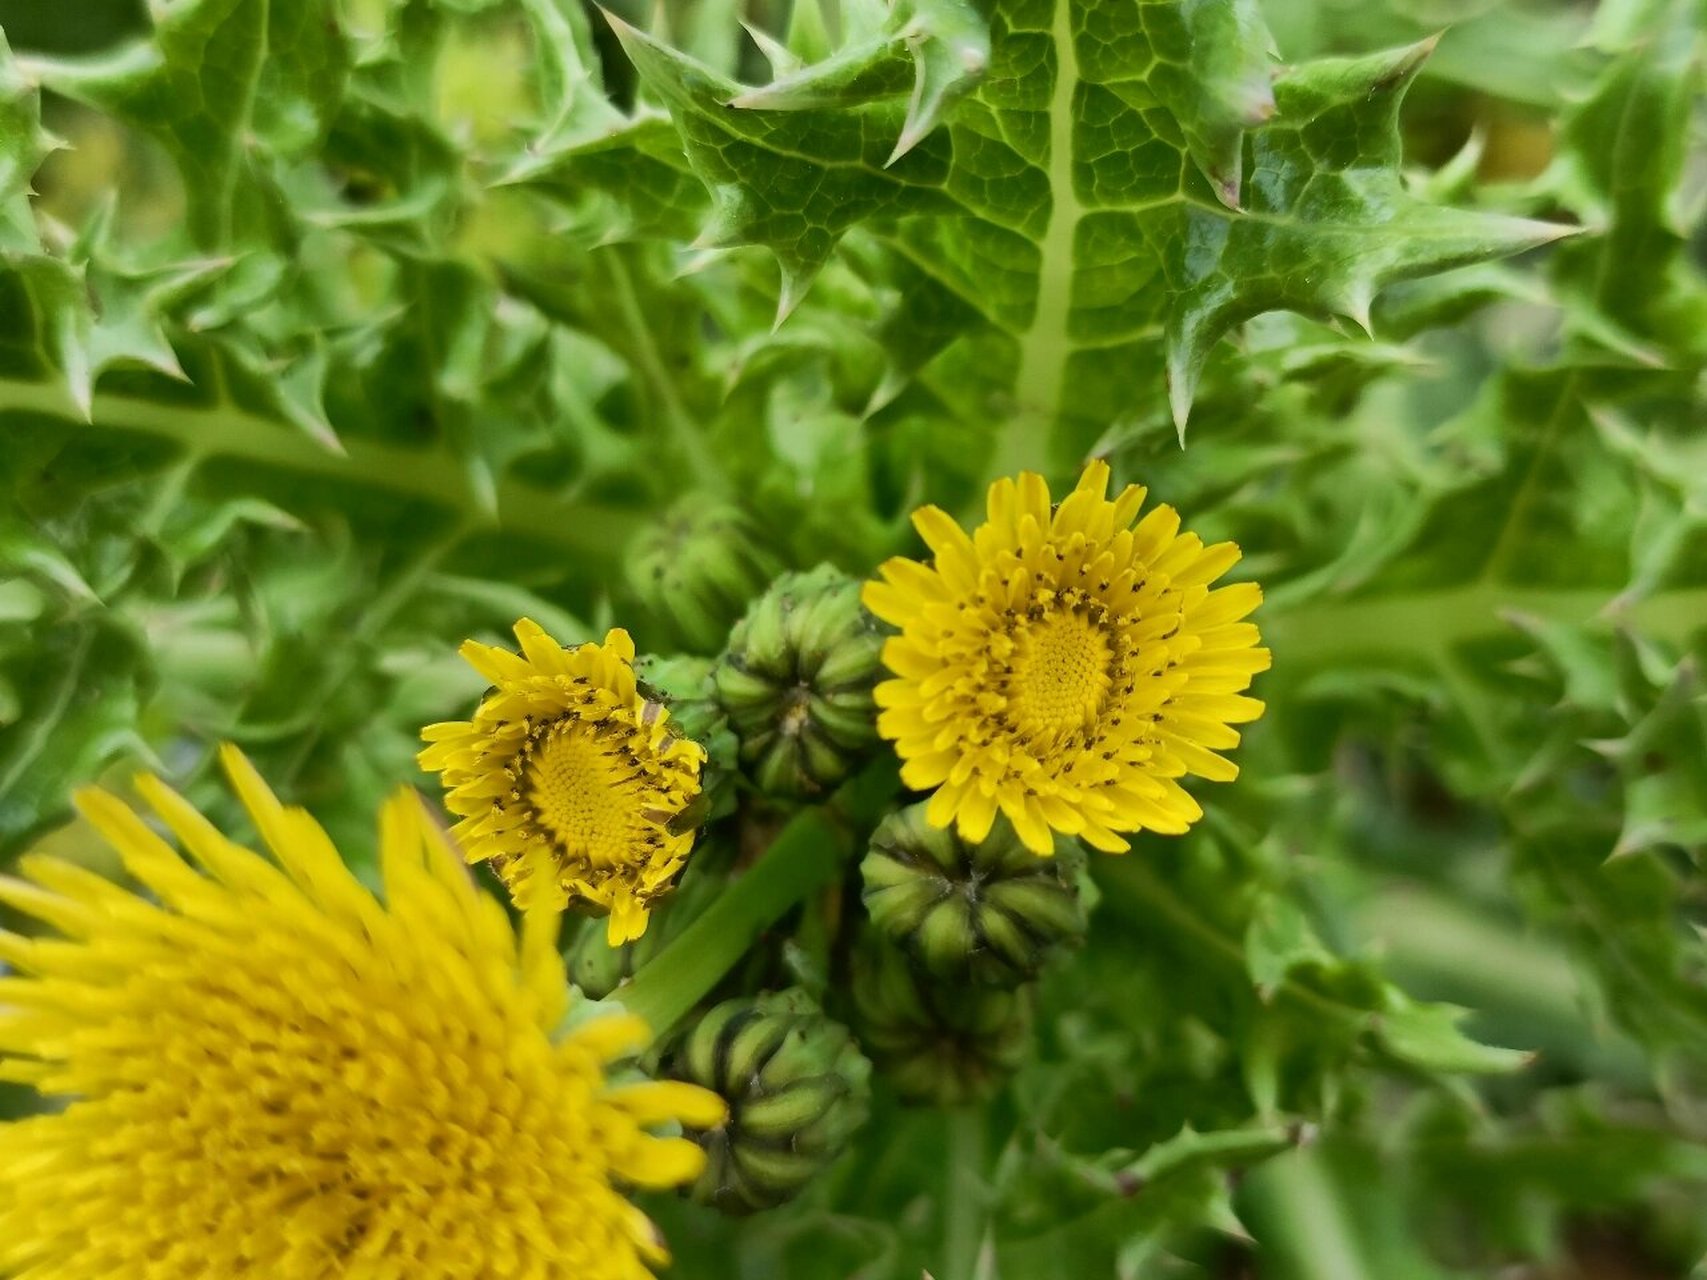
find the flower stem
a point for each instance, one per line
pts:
(963, 1195)
(806, 854)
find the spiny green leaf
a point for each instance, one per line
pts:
(44, 315)
(1328, 221)
(1189, 1149)
(1078, 200)
(1278, 940)
(23, 145)
(1427, 1036)
(216, 78)
(791, 178)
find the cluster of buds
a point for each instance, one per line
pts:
(958, 931)
(796, 1085)
(796, 682)
(940, 986)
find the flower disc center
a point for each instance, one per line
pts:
(1059, 674)
(585, 794)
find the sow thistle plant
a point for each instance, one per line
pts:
(743, 524)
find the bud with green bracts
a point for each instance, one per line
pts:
(797, 1088)
(796, 682)
(698, 568)
(939, 1043)
(683, 684)
(989, 913)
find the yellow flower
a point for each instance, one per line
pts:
(569, 779)
(1063, 667)
(271, 1073)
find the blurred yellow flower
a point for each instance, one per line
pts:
(568, 779)
(268, 1072)
(1064, 668)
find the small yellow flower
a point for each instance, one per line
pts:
(568, 779)
(1063, 667)
(269, 1072)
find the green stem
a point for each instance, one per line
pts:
(1434, 622)
(806, 855)
(963, 1192)
(680, 431)
(223, 430)
(1313, 1238)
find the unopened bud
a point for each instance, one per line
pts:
(796, 682)
(940, 1043)
(698, 568)
(797, 1088)
(989, 913)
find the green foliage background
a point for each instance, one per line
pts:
(344, 329)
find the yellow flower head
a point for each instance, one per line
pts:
(569, 779)
(268, 1072)
(1064, 667)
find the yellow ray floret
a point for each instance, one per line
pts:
(568, 779)
(269, 1072)
(1063, 666)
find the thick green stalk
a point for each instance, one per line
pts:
(1311, 1237)
(1434, 622)
(807, 854)
(963, 1211)
(223, 430)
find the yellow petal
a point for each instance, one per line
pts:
(1094, 479)
(612, 1035)
(1209, 565)
(620, 643)
(659, 1101)
(660, 1162)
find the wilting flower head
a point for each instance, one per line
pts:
(268, 1072)
(1064, 667)
(569, 780)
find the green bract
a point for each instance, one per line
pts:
(335, 332)
(939, 1042)
(796, 1085)
(796, 683)
(989, 913)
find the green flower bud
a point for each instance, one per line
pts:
(989, 913)
(698, 568)
(796, 682)
(683, 683)
(797, 1088)
(944, 1044)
